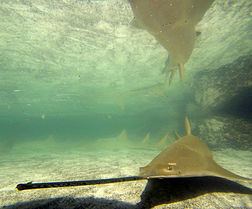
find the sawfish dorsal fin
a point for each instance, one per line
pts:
(187, 126)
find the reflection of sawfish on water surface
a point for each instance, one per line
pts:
(172, 23)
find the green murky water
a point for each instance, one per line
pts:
(77, 80)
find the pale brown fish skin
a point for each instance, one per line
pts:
(172, 23)
(187, 157)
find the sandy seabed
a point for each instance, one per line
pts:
(23, 165)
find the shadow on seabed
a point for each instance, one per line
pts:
(156, 192)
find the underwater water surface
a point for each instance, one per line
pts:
(84, 95)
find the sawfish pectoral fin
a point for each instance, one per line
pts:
(222, 172)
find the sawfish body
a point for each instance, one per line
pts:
(187, 157)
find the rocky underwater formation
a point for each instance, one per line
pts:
(225, 97)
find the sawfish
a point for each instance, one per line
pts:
(172, 23)
(187, 157)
